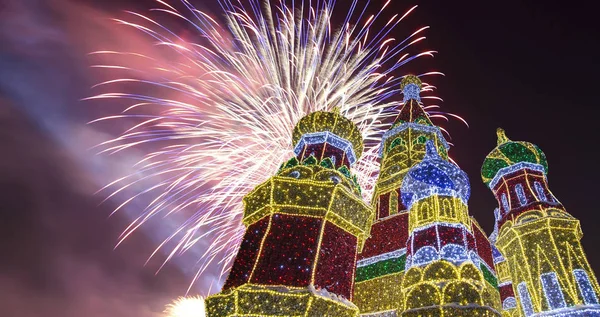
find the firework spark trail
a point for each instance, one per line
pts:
(236, 95)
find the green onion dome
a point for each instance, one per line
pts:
(334, 126)
(515, 154)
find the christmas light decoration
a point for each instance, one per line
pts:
(585, 287)
(311, 246)
(303, 252)
(305, 226)
(538, 240)
(426, 256)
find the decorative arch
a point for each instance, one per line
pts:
(539, 189)
(461, 293)
(423, 295)
(468, 271)
(425, 212)
(447, 209)
(454, 252)
(585, 287)
(425, 255)
(525, 299)
(441, 270)
(521, 194)
(505, 204)
(412, 277)
(298, 172)
(529, 216)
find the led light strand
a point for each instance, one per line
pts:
(381, 257)
(416, 127)
(540, 191)
(585, 287)
(525, 299)
(552, 291)
(329, 138)
(513, 168)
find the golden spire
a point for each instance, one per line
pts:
(410, 79)
(502, 138)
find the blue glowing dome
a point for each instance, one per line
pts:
(434, 176)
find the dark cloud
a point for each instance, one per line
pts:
(57, 246)
(58, 256)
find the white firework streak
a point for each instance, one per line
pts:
(235, 96)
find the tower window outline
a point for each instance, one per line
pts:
(540, 191)
(525, 299)
(552, 291)
(585, 286)
(521, 194)
(505, 204)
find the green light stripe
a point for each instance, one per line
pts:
(380, 268)
(489, 276)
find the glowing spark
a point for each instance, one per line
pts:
(186, 307)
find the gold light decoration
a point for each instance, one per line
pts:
(540, 242)
(304, 228)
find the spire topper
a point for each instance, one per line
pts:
(502, 138)
(411, 88)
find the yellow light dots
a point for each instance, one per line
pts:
(311, 190)
(436, 209)
(541, 254)
(334, 122)
(541, 244)
(379, 294)
(186, 307)
(304, 228)
(260, 301)
(402, 151)
(448, 290)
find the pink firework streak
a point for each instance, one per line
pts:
(217, 120)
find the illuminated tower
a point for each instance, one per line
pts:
(423, 261)
(380, 267)
(304, 228)
(538, 239)
(449, 265)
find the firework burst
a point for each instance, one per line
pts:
(219, 118)
(186, 307)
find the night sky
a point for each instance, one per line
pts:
(528, 68)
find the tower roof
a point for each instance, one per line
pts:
(434, 176)
(411, 110)
(513, 154)
(333, 122)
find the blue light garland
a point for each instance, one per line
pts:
(329, 138)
